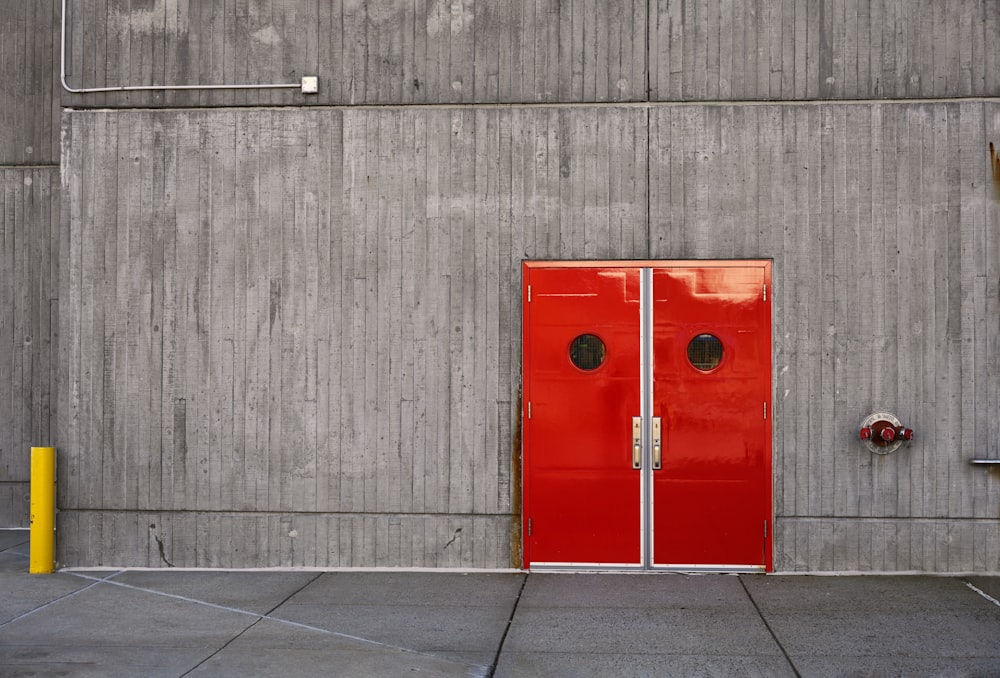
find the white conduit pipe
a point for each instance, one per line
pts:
(306, 87)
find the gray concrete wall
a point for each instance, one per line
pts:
(364, 51)
(29, 89)
(326, 337)
(29, 242)
(884, 224)
(311, 318)
(294, 332)
(29, 282)
(482, 51)
(823, 49)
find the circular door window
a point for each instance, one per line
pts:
(705, 352)
(587, 352)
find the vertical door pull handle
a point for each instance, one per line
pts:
(657, 455)
(637, 442)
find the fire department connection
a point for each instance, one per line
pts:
(883, 433)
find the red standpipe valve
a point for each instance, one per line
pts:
(883, 432)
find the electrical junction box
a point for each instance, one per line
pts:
(310, 84)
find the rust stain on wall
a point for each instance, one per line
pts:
(515, 472)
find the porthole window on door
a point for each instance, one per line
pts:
(705, 352)
(587, 352)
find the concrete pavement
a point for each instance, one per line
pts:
(183, 623)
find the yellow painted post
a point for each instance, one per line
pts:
(43, 510)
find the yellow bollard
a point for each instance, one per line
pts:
(43, 510)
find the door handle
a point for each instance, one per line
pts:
(637, 442)
(657, 455)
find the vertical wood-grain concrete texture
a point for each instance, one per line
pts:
(736, 50)
(29, 281)
(29, 242)
(884, 224)
(501, 51)
(295, 333)
(290, 323)
(363, 51)
(29, 88)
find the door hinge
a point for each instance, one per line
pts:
(765, 291)
(529, 294)
(765, 529)
(529, 409)
(529, 527)
(765, 409)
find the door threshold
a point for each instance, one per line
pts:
(586, 567)
(614, 568)
(710, 569)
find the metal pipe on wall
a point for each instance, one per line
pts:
(308, 84)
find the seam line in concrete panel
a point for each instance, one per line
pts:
(235, 512)
(649, 172)
(486, 106)
(915, 519)
(648, 55)
(321, 570)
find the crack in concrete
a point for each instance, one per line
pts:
(452, 541)
(163, 556)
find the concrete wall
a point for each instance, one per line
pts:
(274, 336)
(295, 330)
(365, 51)
(29, 322)
(312, 316)
(823, 49)
(29, 242)
(29, 89)
(481, 51)
(884, 224)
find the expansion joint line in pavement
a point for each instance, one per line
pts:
(506, 629)
(253, 624)
(57, 600)
(259, 617)
(769, 629)
(982, 593)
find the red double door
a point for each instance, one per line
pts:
(647, 435)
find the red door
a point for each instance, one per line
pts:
(584, 362)
(711, 385)
(646, 437)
